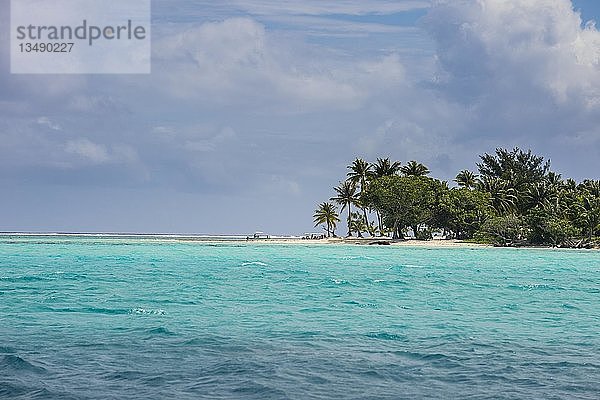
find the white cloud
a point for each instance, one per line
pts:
(45, 121)
(238, 62)
(88, 150)
(523, 60)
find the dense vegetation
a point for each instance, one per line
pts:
(515, 199)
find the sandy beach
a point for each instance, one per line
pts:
(369, 241)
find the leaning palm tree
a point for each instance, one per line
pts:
(414, 168)
(360, 172)
(466, 179)
(345, 197)
(326, 214)
(384, 167)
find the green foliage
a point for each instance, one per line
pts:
(384, 167)
(503, 198)
(326, 214)
(414, 168)
(546, 227)
(403, 201)
(515, 200)
(465, 211)
(514, 173)
(466, 179)
(516, 167)
(504, 230)
(424, 234)
(358, 224)
(359, 173)
(587, 208)
(346, 196)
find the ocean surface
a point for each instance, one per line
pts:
(97, 318)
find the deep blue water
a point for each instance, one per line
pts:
(85, 318)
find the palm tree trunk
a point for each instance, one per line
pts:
(349, 222)
(395, 230)
(363, 186)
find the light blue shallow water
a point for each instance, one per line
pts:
(86, 318)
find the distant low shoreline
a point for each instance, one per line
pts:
(273, 240)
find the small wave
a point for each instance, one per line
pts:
(386, 282)
(143, 311)
(90, 310)
(386, 336)
(26, 278)
(6, 350)
(10, 391)
(109, 311)
(16, 363)
(255, 263)
(357, 258)
(124, 375)
(161, 331)
(400, 267)
(430, 357)
(360, 305)
(341, 282)
(569, 306)
(313, 309)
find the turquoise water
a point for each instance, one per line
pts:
(85, 318)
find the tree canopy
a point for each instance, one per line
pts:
(516, 199)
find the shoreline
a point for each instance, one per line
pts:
(274, 240)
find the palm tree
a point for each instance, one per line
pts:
(589, 214)
(540, 194)
(591, 186)
(360, 173)
(466, 179)
(570, 184)
(503, 197)
(589, 207)
(384, 167)
(326, 214)
(358, 224)
(346, 196)
(414, 168)
(554, 179)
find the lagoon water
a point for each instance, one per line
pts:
(89, 318)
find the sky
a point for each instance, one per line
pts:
(254, 109)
